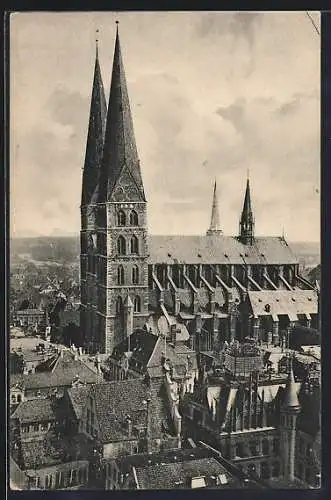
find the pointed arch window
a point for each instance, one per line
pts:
(119, 305)
(121, 219)
(134, 244)
(137, 304)
(120, 275)
(121, 245)
(135, 275)
(133, 218)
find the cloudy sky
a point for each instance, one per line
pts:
(212, 96)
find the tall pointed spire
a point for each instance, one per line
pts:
(120, 165)
(214, 227)
(96, 132)
(247, 220)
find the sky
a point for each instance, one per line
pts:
(214, 95)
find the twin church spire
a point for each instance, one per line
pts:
(246, 225)
(111, 152)
(111, 160)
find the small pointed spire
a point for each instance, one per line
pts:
(247, 219)
(97, 44)
(291, 400)
(214, 227)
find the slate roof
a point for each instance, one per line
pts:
(114, 401)
(36, 410)
(218, 249)
(142, 345)
(178, 475)
(281, 302)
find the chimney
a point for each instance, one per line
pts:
(129, 424)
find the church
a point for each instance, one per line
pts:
(200, 289)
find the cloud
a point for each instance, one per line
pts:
(240, 25)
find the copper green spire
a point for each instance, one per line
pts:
(96, 132)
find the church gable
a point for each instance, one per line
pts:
(126, 188)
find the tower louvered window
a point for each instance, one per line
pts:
(137, 304)
(134, 245)
(121, 219)
(120, 275)
(119, 305)
(121, 245)
(135, 275)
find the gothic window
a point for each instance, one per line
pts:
(120, 275)
(119, 305)
(19, 399)
(121, 245)
(133, 218)
(137, 304)
(121, 218)
(13, 399)
(135, 275)
(134, 244)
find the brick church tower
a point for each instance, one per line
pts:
(93, 158)
(120, 236)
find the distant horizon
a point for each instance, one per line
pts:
(213, 96)
(76, 235)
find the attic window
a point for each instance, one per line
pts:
(222, 479)
(198, 482)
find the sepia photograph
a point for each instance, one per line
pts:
(164, 289)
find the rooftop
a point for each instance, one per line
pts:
(218, 249)
(35, 411)
(186, 473)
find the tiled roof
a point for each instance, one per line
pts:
(36, 410)
(179, 475)
(78, 398)
(218, 249)
(114, 401)
(64, 374)
(54, 450)
(283, 302)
